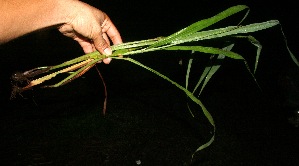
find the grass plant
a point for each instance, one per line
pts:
(186, 39)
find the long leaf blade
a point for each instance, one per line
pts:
(227, 31)
(209, 50)
(188, 93)
(197, 26)
(213, 69)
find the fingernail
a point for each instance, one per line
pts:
(108, 51)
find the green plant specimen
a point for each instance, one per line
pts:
(175, 41)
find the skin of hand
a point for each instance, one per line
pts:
(90, 27)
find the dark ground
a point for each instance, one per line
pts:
(146, 118)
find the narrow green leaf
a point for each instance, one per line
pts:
(92, 55)
(212, 70)
(203, 35)
(256, 43)
(227, 31)
(71, 76)
(209, 50)
(204, 145)
(197, 26)
(202, 77)
(292, 55)
(290, 52)
(135, 44)
(188, 72)
(188, 93)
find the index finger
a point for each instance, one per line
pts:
(110, 29)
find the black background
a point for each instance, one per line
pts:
(137, 20)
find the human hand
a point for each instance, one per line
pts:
(92, 29)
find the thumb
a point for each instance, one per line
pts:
(102, 46)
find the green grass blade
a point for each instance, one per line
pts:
(197, 26)
(135, 44)
(72, 75)
(292, 55)
(188, 71)
(202, 77)
(188, 93)
(256, 43)
(92, 55)
(290, 52)
(213, 69)
(190, 61)
(258, 51)
(205, 145)
(203, 35)
(227, 31)
(255, 27)
(209, 50)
